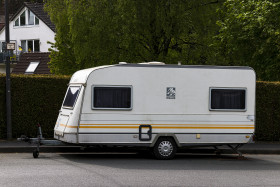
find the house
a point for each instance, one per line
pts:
(30, 29)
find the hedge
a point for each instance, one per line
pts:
(268, 111)
(37, 99)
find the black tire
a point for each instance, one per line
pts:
(165, 148)
(35, 153)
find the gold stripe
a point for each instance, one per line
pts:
(172, 124)
(115, 127)
(68, 126)
(157, 126)
(164, 127)
(203, 127)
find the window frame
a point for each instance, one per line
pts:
(37, 23)
(29, 15)
(112, 86)
(67, 107)
(24, 19)
(26, 12)
(17, 22)
(227, 88)
(33, 45)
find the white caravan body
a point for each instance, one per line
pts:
(135, 104)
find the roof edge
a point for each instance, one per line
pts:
(187, 66)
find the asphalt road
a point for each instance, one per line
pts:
(70, 169)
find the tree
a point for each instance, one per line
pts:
(97, 32)
(249, 35)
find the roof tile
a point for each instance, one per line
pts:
(26, 58)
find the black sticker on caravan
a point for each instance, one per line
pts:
(170, 92)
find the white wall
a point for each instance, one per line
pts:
(30, 32)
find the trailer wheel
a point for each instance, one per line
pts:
(165, 148)
(35, 153)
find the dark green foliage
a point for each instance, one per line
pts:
(2, 107)
(63, 59)
(268, 111)
(102, 32)
(249, 35)
(35, 99)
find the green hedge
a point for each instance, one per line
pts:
(37, 99)
(2, 107)
(268, 111)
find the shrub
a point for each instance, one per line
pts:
(2, 107)
(35, 99)
(268, 111)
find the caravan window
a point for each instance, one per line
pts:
(112, 97)
(231, 99)
(71, 96)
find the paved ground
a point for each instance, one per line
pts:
(100, 169)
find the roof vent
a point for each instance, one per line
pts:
(153, 63)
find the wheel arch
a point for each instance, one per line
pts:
(165, 135)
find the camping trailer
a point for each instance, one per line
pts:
(159, 106)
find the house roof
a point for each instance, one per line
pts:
(26, 58)
(38, 10)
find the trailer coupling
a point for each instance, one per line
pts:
(39, 141)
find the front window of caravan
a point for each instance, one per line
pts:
(229, 99)
(112, 97)
(71, 96)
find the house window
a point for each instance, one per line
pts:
(17, 22)
(22, 19)
(112, 97)
(23, 45)
(36, 45)
(71, 96)
(30, 45)
(229, 99)
(32, 67)
(27, 18)
(36, 21)
(31, 18)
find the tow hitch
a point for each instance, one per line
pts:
(39, 141)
